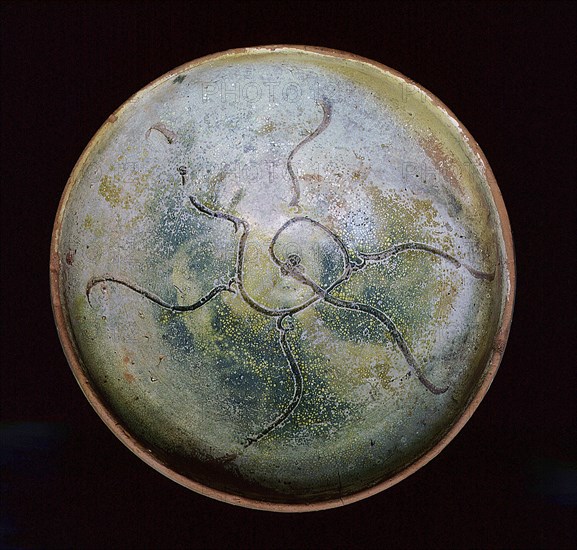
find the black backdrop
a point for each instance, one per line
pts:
(506, 70)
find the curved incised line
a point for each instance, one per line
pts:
(297, 219)
(153, 297)
(159, 127)
(373, 257)
(216, 214)
(347, 269)
(327, 111)
(297, 382)
(393, 331)
(241, 248)
(237, 222)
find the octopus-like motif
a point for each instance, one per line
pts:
(292, 265)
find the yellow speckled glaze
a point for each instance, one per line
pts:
(291, 280)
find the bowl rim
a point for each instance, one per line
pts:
(147, 455)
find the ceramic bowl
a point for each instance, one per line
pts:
(283, 276)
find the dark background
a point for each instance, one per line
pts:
(507, 70)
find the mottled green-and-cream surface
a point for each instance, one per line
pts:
(389, 167)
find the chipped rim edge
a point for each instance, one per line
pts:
(90, 392)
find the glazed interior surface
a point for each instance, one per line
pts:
(283, 272)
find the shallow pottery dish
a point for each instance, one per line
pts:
(283, 276)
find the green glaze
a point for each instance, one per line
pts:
(386, 166)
